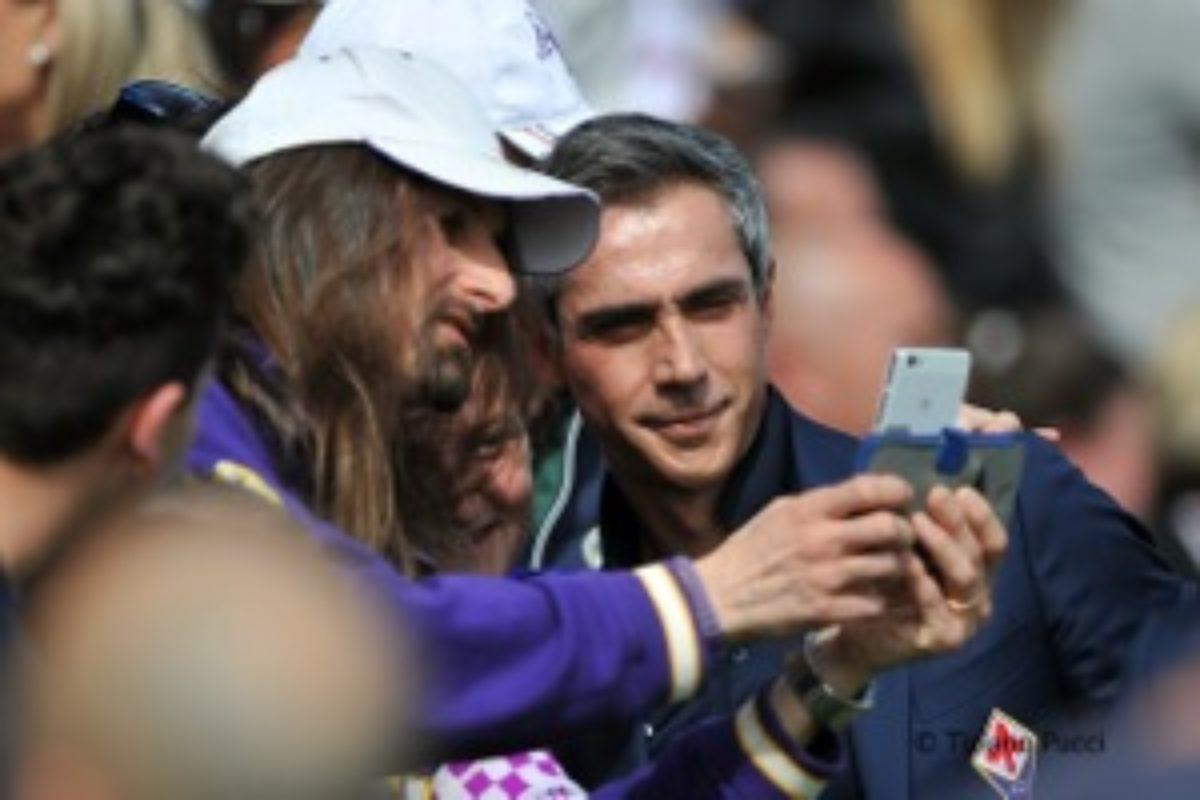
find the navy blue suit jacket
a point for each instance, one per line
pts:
(1079, 577)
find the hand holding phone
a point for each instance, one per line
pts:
(991, 463)
(915, 436)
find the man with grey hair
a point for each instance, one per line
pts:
(660, 335)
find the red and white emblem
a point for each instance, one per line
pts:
(1006, 756)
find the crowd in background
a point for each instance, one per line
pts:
(1017, 177)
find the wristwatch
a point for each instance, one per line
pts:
(826, 707)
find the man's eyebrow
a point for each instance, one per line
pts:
(599, 320)
(723, 289)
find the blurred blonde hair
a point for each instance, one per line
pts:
(104, 44)
(981, 65)
(1177, 384)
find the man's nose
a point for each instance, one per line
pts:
(489, 287)
(484, 279)
(680, 361)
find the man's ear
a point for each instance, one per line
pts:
(150, 422)
(767, 292)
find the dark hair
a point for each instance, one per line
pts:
(117, 248)
(626, 157)
(240, 31)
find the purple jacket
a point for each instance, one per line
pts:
(514, 663)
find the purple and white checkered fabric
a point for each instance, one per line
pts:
(535, 775)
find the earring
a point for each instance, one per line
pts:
(38, 55)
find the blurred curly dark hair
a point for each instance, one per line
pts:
(118, 248)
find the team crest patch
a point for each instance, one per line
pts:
(1006, 756)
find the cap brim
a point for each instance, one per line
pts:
(536, 139)
(554, 224)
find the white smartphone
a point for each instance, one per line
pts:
(923, 390)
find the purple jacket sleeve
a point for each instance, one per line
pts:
(746, 758)
(509, 662)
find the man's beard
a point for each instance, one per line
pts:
(444, 376)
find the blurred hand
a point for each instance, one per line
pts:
(823, 557)
(974, 419)
(983, 420)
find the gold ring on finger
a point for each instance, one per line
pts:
(965, 606)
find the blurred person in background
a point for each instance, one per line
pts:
(1035, 149)
(1154, 746)
(841, 305)
(814, 187)
(117, 250)
(1158, 754)
(1151, 746)
(942, 99)
(848, 287)
(61, 60)
(251, 36)
(746, 71)
(1176, 388)
(629, 55)
(1052, 368)
(1128, 182)
(198, 647)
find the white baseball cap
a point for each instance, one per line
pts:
(418, 116)
(502, 50)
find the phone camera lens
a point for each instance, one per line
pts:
(912, 360)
